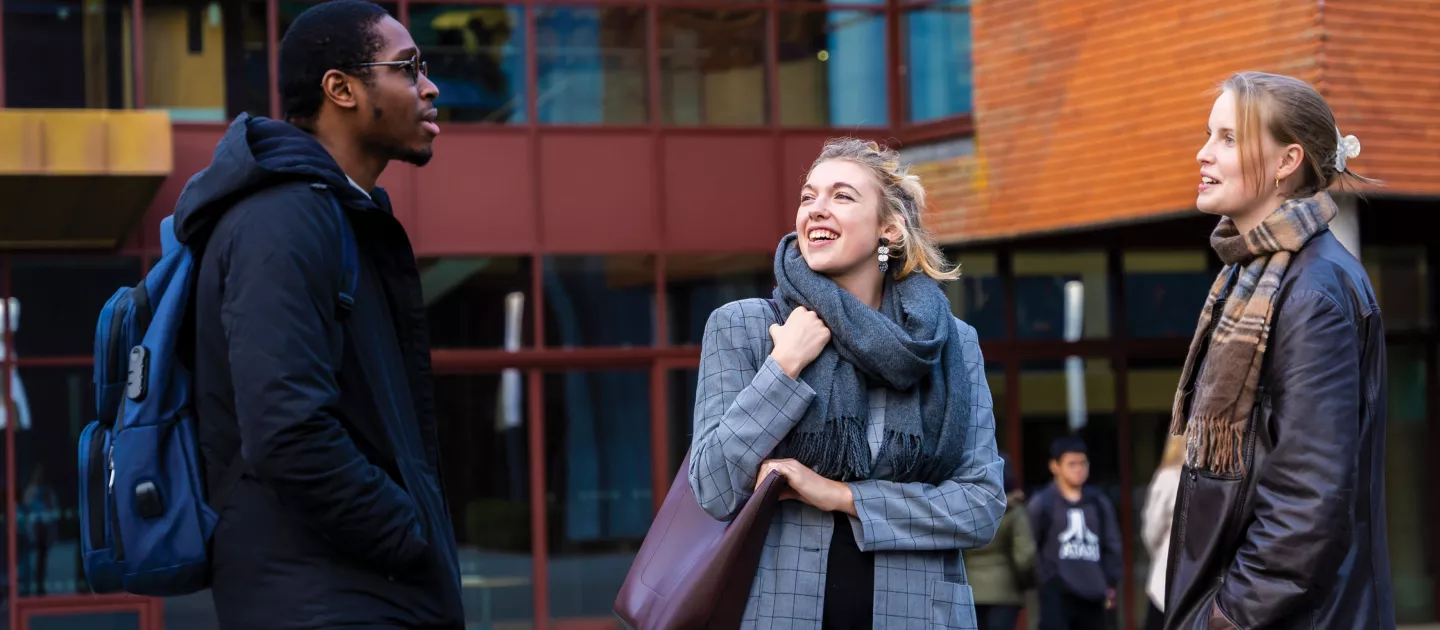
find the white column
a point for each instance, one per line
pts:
(1346, 224)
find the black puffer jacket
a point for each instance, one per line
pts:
(1299, 541)
(340, 518)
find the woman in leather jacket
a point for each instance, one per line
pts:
(1280, 515)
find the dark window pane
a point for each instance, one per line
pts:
(1401, 279)
(697, 284)
(599, 499)
(978, 295)
(832, 69)
(476, 55)
(196, 63)
(683, 384)
(712, 67)
(5, 419)
(85, 621)
(599, 300)
(591, 65)
(1040, 281)
(937, 48)
(1164, 292)
(56, 405)
(995, 377)
(60, 301)
(470, 304)
(483, 432)
(1407, 455)
(68, 54)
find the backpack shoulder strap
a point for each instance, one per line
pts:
(349, 254)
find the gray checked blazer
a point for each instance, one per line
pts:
(745, 405)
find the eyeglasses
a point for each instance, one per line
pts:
(413, 66)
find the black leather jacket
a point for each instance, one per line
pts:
(1298, 541)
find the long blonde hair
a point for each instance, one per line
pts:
(904, 205)
(1174, 452)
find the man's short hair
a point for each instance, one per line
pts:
(328, 36)
(1066, 444)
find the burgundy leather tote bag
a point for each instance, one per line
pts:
(692, 570)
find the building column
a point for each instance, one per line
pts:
(1346, 224)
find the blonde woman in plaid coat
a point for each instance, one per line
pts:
(870, 399)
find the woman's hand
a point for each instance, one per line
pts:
(799, 341)
(808, 487)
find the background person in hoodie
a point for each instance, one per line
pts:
(1003, 570)
(1079, 540)
(320, 420)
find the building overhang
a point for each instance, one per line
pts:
(79, 179)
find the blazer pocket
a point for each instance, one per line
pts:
(952, 606)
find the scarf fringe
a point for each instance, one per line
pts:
(1215, 444)
(839, 452)
(841, 456)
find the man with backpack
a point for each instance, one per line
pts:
(1079, 539)
(313, 388)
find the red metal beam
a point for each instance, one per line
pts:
(539, 538)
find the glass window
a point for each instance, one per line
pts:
(54, 620)
(591, 65)
(1400, 276)
(68, 54)
(697, 284)
(599, 300)
(1164, 292)
(485, 450)
(196, 58)
(1407, 454)
(683, 384)
(476, 55)
(53, 405)
(599, 497)
(978, 295)
(55, 322)
(995, 377)
(832, 69)
(1041, 279)
(712, 67)
(479, 302)
(5, 557)
(937, 50)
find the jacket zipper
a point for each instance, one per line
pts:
(1247, 458)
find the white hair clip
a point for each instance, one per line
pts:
(1346, 147)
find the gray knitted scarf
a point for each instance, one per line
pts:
(910, 346)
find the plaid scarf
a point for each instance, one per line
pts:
(1225, 392)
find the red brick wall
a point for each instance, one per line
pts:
(1091, 111)
(1381, 75)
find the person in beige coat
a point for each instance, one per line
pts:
(1155, 528)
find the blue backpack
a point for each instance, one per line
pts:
(145, 515)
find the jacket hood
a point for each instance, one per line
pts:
(256, 153)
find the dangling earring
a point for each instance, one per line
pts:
(884, 252)
(1277, 183)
